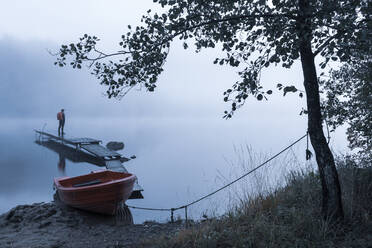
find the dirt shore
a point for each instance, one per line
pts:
(50, 225)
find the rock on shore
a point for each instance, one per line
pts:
(51, 225)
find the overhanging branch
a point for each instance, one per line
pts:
(234, 18)
(321, 47)
(171, 37)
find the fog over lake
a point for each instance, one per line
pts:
(184, 148)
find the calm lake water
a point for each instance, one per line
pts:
(177, 162)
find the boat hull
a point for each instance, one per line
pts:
(102, 197)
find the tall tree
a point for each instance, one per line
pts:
(348, 88)
(253, 34)
(349, 101)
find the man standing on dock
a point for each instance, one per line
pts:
(61, 119)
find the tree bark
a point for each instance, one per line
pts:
(331, 191)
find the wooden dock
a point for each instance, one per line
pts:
(110, 159)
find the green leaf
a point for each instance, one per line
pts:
(289, 89)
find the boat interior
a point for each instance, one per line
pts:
(93, 178)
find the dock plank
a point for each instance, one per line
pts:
(84, 140)
(70, 140)
(100, 151)
(116, 165)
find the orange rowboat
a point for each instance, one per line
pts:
(99, 192)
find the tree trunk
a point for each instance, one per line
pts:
(331, 192)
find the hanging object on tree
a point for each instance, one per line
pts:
(309, 154)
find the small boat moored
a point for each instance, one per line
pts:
(99, 192)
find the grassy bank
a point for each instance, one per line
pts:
(289, 216)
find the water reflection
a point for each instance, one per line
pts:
(72, 154)
(62, 163)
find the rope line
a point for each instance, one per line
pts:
(223, 187)
(153, 209)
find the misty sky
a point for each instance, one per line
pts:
(190, 88)
(177, 132)
(28, 29)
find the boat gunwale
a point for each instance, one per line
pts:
(71, 188)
